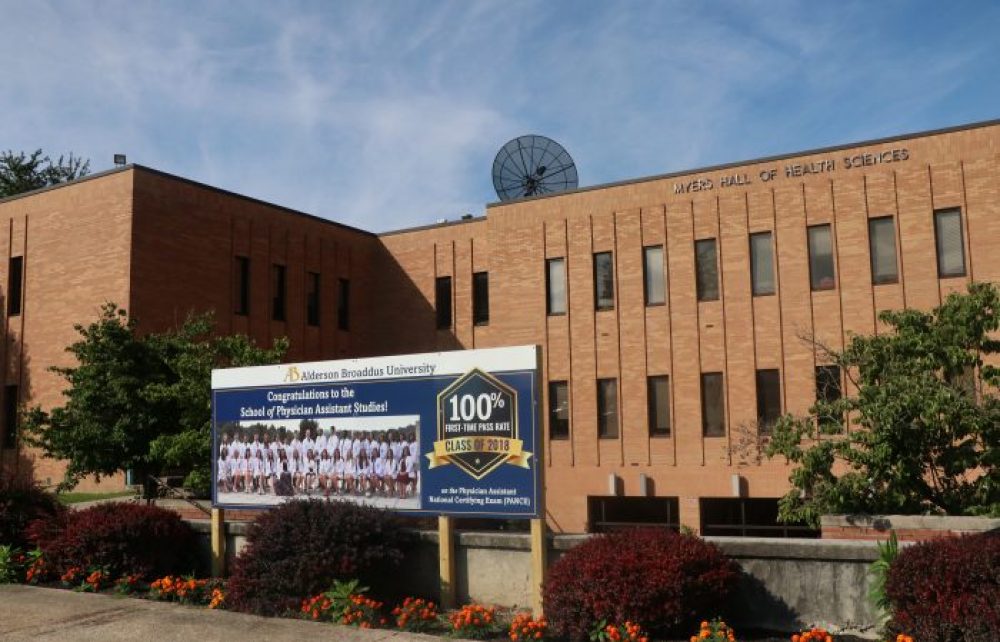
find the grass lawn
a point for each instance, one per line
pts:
(76, 498)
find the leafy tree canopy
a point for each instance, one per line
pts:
(140, 401)
(923, 419)
(21, 172)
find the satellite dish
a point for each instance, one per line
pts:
(532, 165)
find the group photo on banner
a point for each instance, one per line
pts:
(375, 459)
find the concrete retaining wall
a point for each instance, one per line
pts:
(907, 527)
(787, 583)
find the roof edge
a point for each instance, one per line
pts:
(754, 161)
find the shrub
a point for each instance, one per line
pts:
(947, 589)
(121, 539)
(22, 501)
(298, 550)
(662, 579)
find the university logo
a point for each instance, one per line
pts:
(477, 426)
(292, 374)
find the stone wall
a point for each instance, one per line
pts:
(907, 527)
(787, 583)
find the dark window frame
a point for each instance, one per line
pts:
(607, 513)
(279, 292)
(15, 286)
(645, 276)
(873, 223)
(480, 298)
(313, 288)
(562, 433)
(610, 283)
(653, 428)
(755, 290)
(604, 427)
(343, 304)
(824, 383)
(444, 314)
(561, 260)
(814, 285)
(766, 415)
(740, 518)
(703, 291)
(242, 285)
(938, 214)
(705, 428)
(11, 416)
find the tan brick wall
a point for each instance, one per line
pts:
(76, 246)
(736, 335)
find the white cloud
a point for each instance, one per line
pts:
(388, 114)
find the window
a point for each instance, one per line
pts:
(882, 245)
(747, 517)
(604, 281)
(708, 270)
(555, 286)
(15, 275)
(242, 285)
(828, 391)
(344, 304)
(558, 410)
(950, 248)
(10, 422)
(821, 275)
(768, 399)
(607, 408)
(442, 301)
(615, 513)
(761, 264)
(652, 275)
(658, 402)
(278, 292)
(312, 298)
(481, 298)
(713, 405)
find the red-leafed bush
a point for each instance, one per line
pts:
(120, 538)
(22, 501)
(661, 579)
(947, 590)
(298, 549)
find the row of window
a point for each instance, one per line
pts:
(822, 271)
(279, 302)
(713, 403)
(480, 300)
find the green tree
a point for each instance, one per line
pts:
(140, 401)
(20, 172)
(924, 417)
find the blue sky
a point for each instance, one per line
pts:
(388, 114)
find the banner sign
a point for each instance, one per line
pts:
(448, 433)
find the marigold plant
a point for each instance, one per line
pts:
(902, 637)
(474, 621)
(416, 614)
(316, 607)
(362, 612)
(526, 627)
(186, 590)
(71, 577)
(714, 631)
(129, 584)
(813, 635)
(628, 632)
(217, 598)
(96, 580)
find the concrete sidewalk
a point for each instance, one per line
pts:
(32, 613)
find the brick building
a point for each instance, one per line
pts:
(678, 314)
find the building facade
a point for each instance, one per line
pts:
(678, 315)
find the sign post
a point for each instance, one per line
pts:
(446, 561)
(218, 542)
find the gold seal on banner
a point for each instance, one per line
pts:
(477, 426)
